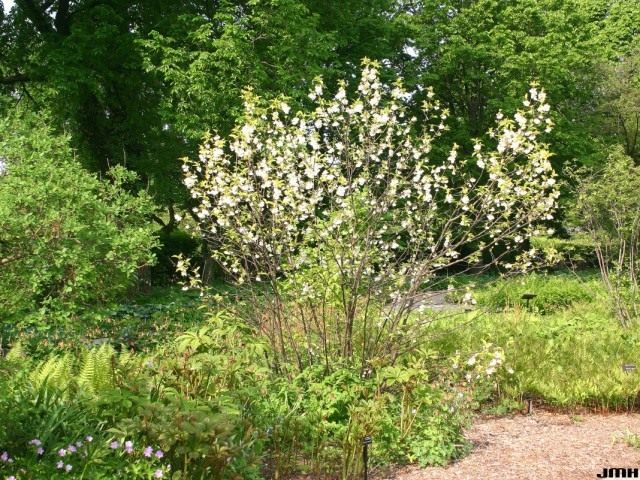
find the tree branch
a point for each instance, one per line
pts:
(61, 21)
(18, 78)
(37, 15)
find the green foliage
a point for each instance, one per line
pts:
(211, 403)
(553, 292)
(571, 358)
(608, 208)
(67, 238)
(207, 61)
(575, 251)
(484, 53)
(191, 400)
(141, 323)
(619, 103)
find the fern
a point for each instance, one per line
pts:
(96, 369)
(16, 353)
(92, 373)
(55, 373)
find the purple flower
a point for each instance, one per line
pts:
(148, 451)
(4, 457)
(68, 467)
(72, 448)
(60, 464)
(40, 451)
(35, 442)
(158, 474)
(89, 438)
(62, 452)
(159, 454)
(113, 445)
(128, 446)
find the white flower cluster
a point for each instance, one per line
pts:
(353, 187)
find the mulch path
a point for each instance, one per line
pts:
(540, 446)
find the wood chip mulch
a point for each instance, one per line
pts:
(540, 446)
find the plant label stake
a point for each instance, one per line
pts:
(366, 441)
(528, 397)
(527, 297)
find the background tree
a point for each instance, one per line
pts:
(481, 54)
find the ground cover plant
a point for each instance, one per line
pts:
(211, 405)
(564, 349)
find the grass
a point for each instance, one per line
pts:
(567, 349)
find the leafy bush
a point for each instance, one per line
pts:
(67, 239)
(608, 207)
(577, 251)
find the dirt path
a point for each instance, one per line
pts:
(541, 446)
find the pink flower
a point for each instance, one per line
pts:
(148, 451)
(159, 454)
(158, 474)
(113, 445)
(128, 446)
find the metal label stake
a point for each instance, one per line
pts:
(366, 441)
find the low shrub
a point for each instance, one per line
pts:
(576, 251)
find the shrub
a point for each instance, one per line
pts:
(608, 207)
(349, 204)
(67, 238)
(576, 251)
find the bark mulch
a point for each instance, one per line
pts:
(541, 446)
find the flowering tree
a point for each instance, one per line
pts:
(343, 212)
